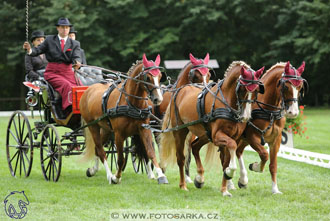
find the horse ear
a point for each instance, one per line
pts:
(206, 59)
(259, 72)
(145, 60)
(192, 58)
(243, 72)
(301, 68)
(287, 67)
(157, 61)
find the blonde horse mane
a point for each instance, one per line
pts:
(277, 65)
(134, 65)
(233, 64)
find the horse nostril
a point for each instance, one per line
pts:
(156, 100)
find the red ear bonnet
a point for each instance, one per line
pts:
(196, 62)
(247, 75)
(147, 64)
(291, 74)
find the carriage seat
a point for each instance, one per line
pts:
(89, 76)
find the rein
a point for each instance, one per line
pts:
(122, 74)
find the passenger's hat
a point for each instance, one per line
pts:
(63, 22)
(37, 34)
(72, 30)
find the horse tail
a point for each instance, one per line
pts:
(167, 142)
(89, 152)
(212, 157)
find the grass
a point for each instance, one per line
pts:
(76, 197)
(318, 131)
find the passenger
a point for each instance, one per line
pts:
(34, 66)
(61, 52)
(72, 35)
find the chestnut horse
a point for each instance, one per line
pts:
(132, 96)
(194, 72)
(283, 84)
(226, 105)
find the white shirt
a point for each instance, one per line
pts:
(60, 38)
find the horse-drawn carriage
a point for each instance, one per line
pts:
(23, 137)
(220, 112)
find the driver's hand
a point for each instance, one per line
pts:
(77, 65)
(27, 46)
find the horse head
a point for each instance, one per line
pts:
(153, 76)
(291, 84)
(200, 71)
(247, 89)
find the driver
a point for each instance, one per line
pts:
(61, 52)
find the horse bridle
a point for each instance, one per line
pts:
(196, 67)
(240, 102)
(249, 82)
(285, 78)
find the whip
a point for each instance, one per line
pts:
(27, 21)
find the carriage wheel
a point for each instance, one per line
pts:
(50, 153)
(113, 157)
(19, 145)
(139, 164)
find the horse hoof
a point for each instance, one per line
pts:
(198, 184)
(226, 176)
(115, 181)
(184, 188)
(227, 194)
(251, 166)
(88, 173)
(162, 180)
(277, 193)
(188, 180)
(241, 185)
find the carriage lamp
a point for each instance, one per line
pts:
(31, 99)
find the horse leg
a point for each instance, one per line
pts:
(92, 171)
(254, 141)
(230, 184)
(221, 139)
(188, 160)
(196, 146)
(274, 147)
(146, 138)
(99, 151)
(179, 137)
(119, 142)
(243, 178)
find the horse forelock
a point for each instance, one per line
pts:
(234, 64)
(134, 65)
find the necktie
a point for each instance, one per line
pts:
(62, 44)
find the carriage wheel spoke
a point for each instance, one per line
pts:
(47, 166)
(55, 167)
(16, 162)
(27, 158)
(53, 171)
(14, 122)
(50, 168)
(15, 137)
(22, 131)
(23, 162)
(25, 138)
(45, 159)
(14, 156)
